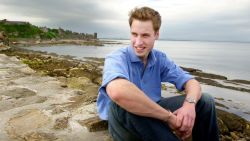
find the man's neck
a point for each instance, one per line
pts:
(144, 60)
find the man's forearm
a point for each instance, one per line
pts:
(132, 99)
(193, 89)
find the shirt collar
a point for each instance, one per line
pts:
(134, 58)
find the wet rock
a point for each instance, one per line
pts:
(100, 61)
(58, 72)
(231, 121)
(191, 69)
(232, 127)
(209, 75)
(61, 123)
(223, 127)
(221, 105)
(85, 84)
(163, 87)
(247, 130)
(226, 138)
(240, 81)
(35, 63)
(79, 83)
(94, 124)
(76, 72)
(234, 136)
(89, 67)
(98, 81)
(219, 98)
(207, 81)
(108, 138)
(199, 73)
(217, 84)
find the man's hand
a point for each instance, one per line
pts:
(185, 120)
(172, 122)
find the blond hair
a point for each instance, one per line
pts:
(146, 14)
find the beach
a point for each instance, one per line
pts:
(59, 94)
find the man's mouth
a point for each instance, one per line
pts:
(139, 49)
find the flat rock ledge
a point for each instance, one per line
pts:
(37, 107)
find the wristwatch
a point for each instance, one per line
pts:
(190, 100)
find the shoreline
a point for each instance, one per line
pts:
(39, 42)
(203, 77)
(84, 77)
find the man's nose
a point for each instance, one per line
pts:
(138, 41)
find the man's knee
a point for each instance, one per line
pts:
(117, 112)
(206, 102)
(118, 124)
(206, 98)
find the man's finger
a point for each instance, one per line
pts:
(192, 123)
(186, 135)
(184, 125)
(179, 120)
(175, 112)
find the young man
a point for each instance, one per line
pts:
(130, 95)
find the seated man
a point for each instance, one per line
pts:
(130, 95)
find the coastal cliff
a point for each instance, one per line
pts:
(16, 33)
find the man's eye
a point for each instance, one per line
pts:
(133, 34)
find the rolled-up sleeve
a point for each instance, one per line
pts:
(172, 73)
(114, 67)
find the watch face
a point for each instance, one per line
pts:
(190, 100)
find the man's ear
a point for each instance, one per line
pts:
(157, 34)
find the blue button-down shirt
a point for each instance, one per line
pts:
(124, 63)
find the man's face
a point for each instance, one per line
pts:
(143, 37)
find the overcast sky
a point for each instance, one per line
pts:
(220, 20)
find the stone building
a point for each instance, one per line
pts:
(3, 38)
(95, 35)
(6, 22)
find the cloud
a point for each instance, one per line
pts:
(220, 22)
(56, 13)
(193, 19)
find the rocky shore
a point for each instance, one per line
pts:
(219, 80)
(49, 97)
(39, 42)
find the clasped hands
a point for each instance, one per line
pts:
(182, 121)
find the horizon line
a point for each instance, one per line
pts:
(168, 39)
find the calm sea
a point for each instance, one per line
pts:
(225, 58)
